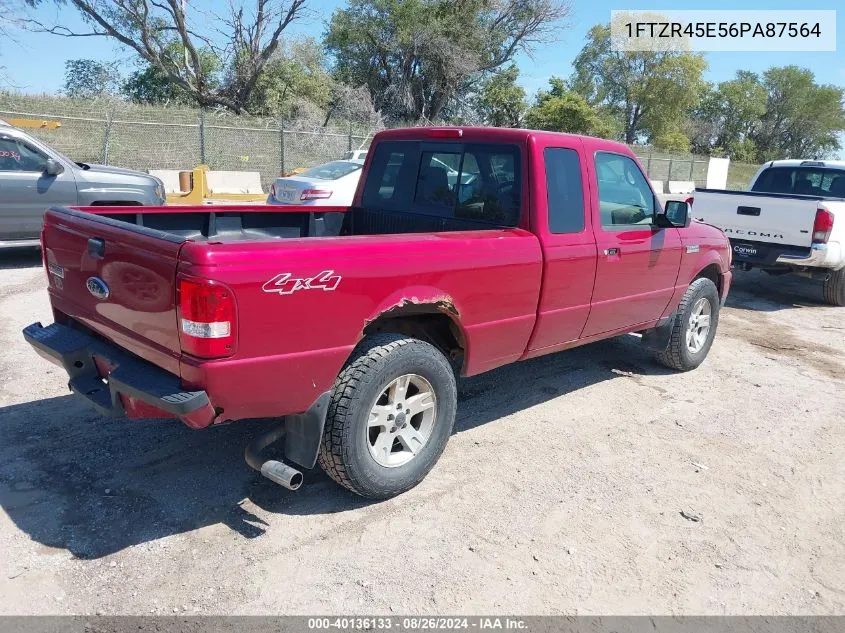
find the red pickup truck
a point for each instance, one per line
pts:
(464, 249)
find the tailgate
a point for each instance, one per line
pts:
(117, 279)
(772, 218)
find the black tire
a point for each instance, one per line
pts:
(375, 363)
(678, 355)
(834, 288)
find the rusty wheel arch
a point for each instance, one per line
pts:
(435, 321)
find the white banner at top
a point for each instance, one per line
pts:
(712, 30)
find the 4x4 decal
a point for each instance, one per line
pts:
(287, 284)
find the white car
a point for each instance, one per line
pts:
(356, 154)
(332, 184)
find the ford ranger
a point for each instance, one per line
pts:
(352, 322)
(786, 222)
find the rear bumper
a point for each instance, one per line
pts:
(770, 255)
(821, 256)
(129, 383)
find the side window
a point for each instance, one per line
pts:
(564, 190)
(17, 156)
(625, 197)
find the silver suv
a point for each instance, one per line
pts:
(34, 177)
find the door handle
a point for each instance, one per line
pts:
(611, 251)
(97, 247)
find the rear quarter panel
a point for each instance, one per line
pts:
(293, 339)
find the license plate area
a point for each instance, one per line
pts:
(750, 252)
(287, 195)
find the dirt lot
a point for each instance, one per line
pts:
(562, 490)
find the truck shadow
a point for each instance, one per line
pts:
(760, 292)
(23, 257)
(73, 480)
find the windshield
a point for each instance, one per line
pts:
(806, 181)
(332, 171)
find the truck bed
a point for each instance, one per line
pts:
(288, 328)
(236, 223)
(226, 223)
(776, 218)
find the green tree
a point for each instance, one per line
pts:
(782, 114)
(150, 85)
(803, 119)
(501, 101)
(418, 58)
(672, 141)
(89, 79)
(176, 38)
(728, 115)
(561, 110)
(648, 92)
(296, 71)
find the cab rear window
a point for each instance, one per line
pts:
(806, 181)
(477, 182)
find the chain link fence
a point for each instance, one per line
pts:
(666, 167)
(157, 138)
(177, 137)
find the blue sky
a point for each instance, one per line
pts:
(35, 62)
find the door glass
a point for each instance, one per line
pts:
(16, 156)
(625, 197)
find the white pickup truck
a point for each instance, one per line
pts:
(791, 220)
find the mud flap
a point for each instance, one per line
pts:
(657, 339)
(304, 432)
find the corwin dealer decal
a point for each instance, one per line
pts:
(287, 284)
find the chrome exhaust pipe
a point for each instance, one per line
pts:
(282, 474)
(276, 471)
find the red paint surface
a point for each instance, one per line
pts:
(513, 293)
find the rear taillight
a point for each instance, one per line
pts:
(822, 226)
(207, 326)
(689, 200)
(316, 194)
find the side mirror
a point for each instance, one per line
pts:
(53, 167)
(676, 214)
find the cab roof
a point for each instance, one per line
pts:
(822, 164)
(500, 135)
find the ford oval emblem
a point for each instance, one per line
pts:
(97, 287)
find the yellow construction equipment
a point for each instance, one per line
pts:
(34, 124)
(199, 193)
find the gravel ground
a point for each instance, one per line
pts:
(591, 482)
